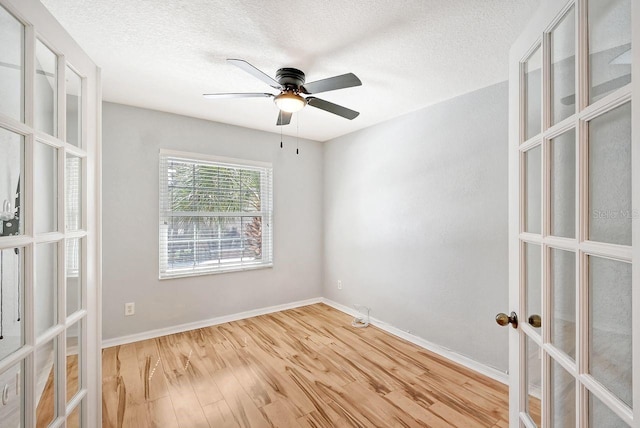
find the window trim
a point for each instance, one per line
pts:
(191, 156)
(267, 214)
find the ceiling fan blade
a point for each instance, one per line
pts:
(284, 118)
(239, 95)
(244, 65)
(332, 108)
(332, 83)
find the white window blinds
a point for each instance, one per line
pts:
(215, 214)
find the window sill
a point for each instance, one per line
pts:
(178, 275)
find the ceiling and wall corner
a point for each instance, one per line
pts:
(164, 55)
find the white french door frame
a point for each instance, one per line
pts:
(537, 32)
(39, 24)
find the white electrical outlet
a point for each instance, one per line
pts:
(339, 285)
(129, 309)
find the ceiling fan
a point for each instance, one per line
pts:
(291, 84)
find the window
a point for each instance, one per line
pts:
(215, 214)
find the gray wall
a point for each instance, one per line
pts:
(415, 213)
(132, 138)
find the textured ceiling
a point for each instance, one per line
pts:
(164, 54)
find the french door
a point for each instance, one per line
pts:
(49, 266)
(574, 221)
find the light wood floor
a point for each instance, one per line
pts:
(304, 367)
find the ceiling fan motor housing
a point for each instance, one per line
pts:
(290, 78)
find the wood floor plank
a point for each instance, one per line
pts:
(219, 415)
(183, 397)
(370, 373)
(501, 424)
(244, 410)
(199, 372)
(352, 337)
(281, 387)
(455, 416)
(113, 401)
(187, 409)
(110, 362)
(356, 415)
(302, 367)
(246, 376)
(390, 414)
(151, 369)
(161, 414)
(281, 414)
(314, 394)
(136, 416)
(129, 370)
(315, 420)
(418, 411)
(462, 400)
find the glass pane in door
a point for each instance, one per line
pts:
(610, 177)
(12, 411)
(74, 107)
(11, 182)
(610, 361)
(46, 286)
(533, 279)
(46, 383)
(73, 196)
(609, 46)
(601, 416)
(73, 420)
(533, 190)
(563, 185)
(74, 359)
(46, 188)
(12, 292)
(563, 397)
(534, 381)
(74, 275)
(563, 68)
(533, 94)
(11, 66)
(46, 90)
(563, 297)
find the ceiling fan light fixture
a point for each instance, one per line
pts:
(290, 102)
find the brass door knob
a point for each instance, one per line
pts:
(535, 321)
(504, 319)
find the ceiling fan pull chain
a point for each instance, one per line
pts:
(297, 132)
(280, 113)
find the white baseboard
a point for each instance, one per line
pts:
(151, 334)
(442, 351)
(467, 362)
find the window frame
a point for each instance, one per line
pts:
(165, 213)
